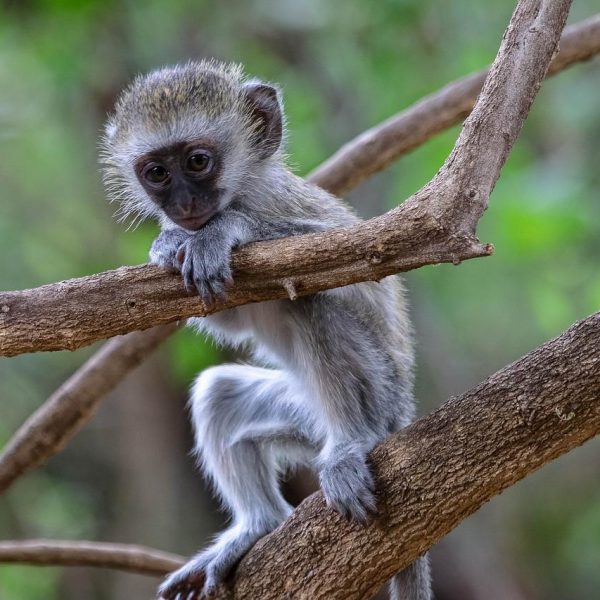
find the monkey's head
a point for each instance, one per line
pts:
(184, 140)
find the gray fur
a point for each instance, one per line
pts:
(336, 374)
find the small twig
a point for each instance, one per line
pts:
(125, 557)
(290, 288)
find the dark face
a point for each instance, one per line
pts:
(182, 179)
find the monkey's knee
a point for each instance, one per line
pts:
(215, 403)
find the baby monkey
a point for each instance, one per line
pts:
(199, 147)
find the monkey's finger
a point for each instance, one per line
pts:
(180, 254)
(218, 288)
(369, 501)
(187, 272)
(356, 512)
(205, 291)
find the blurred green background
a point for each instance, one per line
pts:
(344, 66)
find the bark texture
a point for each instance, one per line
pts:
(125, 557)
(435, 225)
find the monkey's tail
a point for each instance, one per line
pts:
(412, 583)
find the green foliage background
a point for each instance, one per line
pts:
(344, 66)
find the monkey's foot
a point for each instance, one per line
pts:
(348, 487)
(201, 576)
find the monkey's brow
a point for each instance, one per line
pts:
(180, 148)
(174, 152)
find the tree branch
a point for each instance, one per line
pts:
(376, 148)
(430, 477)
(435, 225)
(435, 473)
(125, 557)
(75, 402)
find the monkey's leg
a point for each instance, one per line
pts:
(249, 425)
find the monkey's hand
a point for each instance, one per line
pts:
(205, 263)
(205, 256)
(163, 251)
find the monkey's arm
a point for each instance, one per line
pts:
(204, 256)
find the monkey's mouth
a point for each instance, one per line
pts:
(196, 222)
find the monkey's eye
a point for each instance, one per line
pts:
(199, 162)
(156, 174)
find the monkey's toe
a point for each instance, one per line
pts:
(164, 249)
(200, 578)
(184, 584)
(348, 488)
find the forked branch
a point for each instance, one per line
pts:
(376, 148)
(435, 225)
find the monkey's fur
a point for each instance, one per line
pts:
(199, 147)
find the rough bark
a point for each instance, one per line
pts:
(430, 477)
(125, 557)
(435, 473)
(435, 225)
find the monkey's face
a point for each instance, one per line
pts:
(183, 181)
(186, 141)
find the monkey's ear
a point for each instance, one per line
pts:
(265, 111)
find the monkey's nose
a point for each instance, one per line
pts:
(187, 208)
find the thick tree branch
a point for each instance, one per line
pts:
(125, 557)
(437, 472)
(435, 225)
(431, 476)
